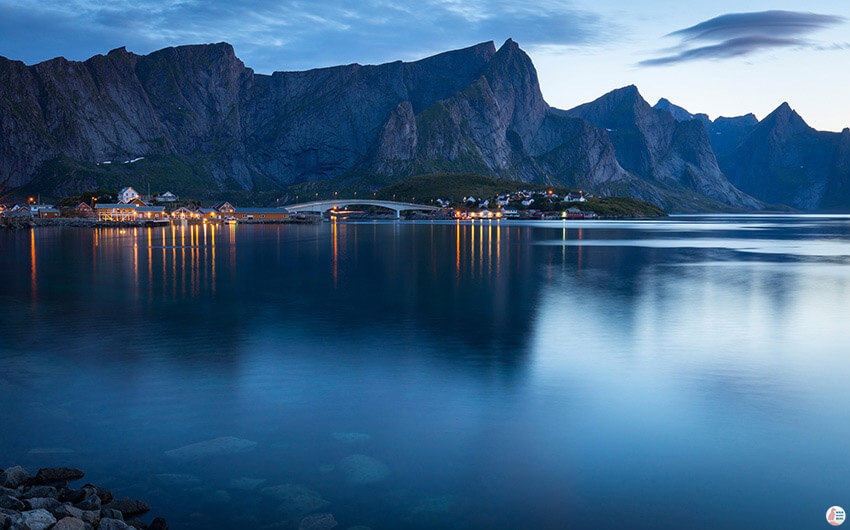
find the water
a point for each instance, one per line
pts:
(690, 372)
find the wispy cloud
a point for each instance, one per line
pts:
(283, 34)
(742, 34)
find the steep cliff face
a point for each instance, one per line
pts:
(783, 160)
(198, 111)
(652, 144)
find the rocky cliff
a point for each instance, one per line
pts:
(195, 119)
(781, 159)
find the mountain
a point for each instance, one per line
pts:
(679, 113)
(196, 120)
(652, 144)
(782, 160)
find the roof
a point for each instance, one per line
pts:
(207, 210)
(261, 210)
(48, 210)
(221, 204)
(84, 204)
(112, 205)
(166, 194)
(145, 209)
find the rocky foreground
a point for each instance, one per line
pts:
(47, 502)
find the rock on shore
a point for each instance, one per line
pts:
(46, 502)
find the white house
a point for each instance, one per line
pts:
(127, 195)
(166, 197)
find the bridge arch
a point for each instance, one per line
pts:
(325, 205)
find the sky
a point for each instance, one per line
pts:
(722, 57)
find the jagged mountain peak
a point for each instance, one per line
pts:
(678, 113)
(623, 107)
(784, 120)
(746, 119)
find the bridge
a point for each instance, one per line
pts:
(323, 206)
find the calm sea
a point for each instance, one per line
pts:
(691, 372)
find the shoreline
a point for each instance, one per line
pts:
(46, 500)
(94, 223)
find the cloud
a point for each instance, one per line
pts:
(287, 34)
(764, 23)
(725, 50)
(742, 34)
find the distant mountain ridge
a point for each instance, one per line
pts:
(781, 159)
(195, 119)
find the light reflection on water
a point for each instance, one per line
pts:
(688, 372)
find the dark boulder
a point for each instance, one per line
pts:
(11, 503)
(105, 495)
(69, 523)
(128, 507)
(91, 503)
(45, 503)
(158, 524)
(112, 524)
(52, 475)
(40, 491)
(135, 522)
(14, 477)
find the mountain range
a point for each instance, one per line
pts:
(196, 120)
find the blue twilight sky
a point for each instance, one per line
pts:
(721, 57)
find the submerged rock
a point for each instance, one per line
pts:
(319, 521)
(296, 499)
(177, 480)
(362, 469)
(50, 451)
(246, 483)
(440, 504)
(218, 446)
(351, 437)
(221, 497)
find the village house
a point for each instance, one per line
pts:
(575, 197)
(47, 212)
(151, 212)
(127, 195)
(166, 197)
(209, 213)
(228, 211)
(224, 208)
(183, 213)
(116, 212)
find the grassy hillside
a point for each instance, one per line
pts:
(456, 186)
